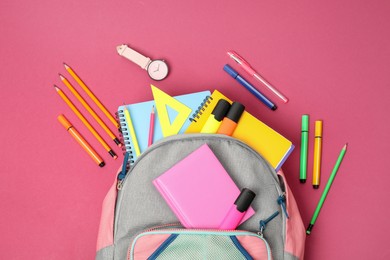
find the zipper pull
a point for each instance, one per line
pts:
(263, 223)
(123, 173)
(282, 202)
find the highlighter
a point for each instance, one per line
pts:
(238, 210)
(215, 119)
(229, 123)
(317, 154)
(304, 145)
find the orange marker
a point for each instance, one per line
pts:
(317, 154)
(90, 110)
(229, 123)
(85, 122)
(82, 142)
(92, 96)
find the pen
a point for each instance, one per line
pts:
(326, 190)
(80, 139)
(304, 144)
(245, 65)
(249, 87)
(317, 154)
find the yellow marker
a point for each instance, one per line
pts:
(132, 132)
(90, 110)
(317, 154)
(215, 119)
(92, 96)
(85, 122)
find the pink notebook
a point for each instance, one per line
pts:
(199, 190)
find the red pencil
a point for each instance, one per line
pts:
(151, 127)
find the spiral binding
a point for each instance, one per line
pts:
(198, 113)
(124, 135)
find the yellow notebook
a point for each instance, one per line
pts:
(274, 147)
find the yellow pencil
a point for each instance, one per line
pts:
(132, 132)
(92, 96)
(317, 154)
(90, 110)
(85, 122)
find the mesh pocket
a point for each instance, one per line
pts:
(192, 247)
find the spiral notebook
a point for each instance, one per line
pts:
(140, 116)
(199, 190)
(274, 147)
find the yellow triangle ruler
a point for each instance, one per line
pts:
(162, 101)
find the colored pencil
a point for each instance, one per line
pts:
(132, 132)
(326, 190)
(85, 122)
(151, 128)
(92, 96)
(90, 110)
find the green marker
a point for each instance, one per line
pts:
(326, 190)
(304, 145)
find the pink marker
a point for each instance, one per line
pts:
(245, 65)
(238, 210)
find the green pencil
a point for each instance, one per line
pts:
(326, 190)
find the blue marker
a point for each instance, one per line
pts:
(249, 87)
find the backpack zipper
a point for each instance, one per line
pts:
(196, 230)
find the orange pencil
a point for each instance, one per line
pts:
(90, 110)
(92, 96)
(85, 122)
(80, 139)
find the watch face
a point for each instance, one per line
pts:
(158, 70)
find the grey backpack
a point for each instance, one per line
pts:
(137, 223)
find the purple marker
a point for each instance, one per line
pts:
(238, 210)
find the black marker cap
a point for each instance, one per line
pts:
(235, 111)
(245, 199)
(221, 109)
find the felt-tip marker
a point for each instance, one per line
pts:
(238, 210)
(215, 119)
(249, 87)
(230, 122)
(304, 146)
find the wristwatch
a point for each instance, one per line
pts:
(157, 69)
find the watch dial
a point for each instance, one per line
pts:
(158, 70)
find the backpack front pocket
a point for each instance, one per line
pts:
(198, 244)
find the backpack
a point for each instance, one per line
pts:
(137, 223)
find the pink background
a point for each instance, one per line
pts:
(330, 58)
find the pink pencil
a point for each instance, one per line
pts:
(151, 127)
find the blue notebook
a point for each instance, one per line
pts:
(140, 116)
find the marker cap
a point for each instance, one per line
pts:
(245, 199)
(235, 111)
(230, 71)
(221, 109)
(64, 122)
(318, 128)
(305, 123)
